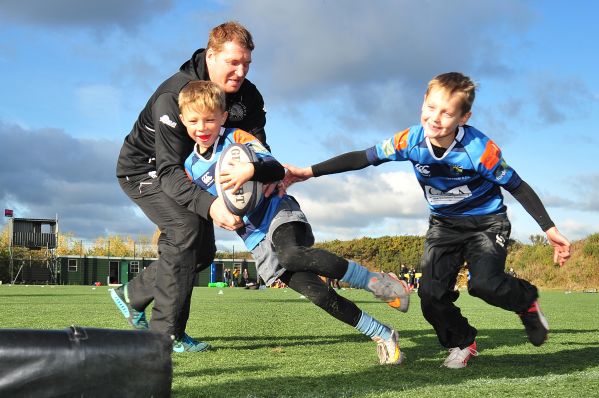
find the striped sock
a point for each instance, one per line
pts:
(357, 276)
(372, 328)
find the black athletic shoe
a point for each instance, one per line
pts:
(535, 324)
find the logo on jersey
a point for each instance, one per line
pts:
(388, 148)
(435, 196)
(166, 120)
(501, 171)
(423, 169)
(207, 178)
(237, 112)
(456, 169)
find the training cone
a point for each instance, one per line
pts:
(220, 292)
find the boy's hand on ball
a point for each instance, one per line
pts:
(238, 174)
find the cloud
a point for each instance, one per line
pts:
(558, 99)
(364, 203)
(374, 61)
(88, 14)
(319, 45)
(45, 172)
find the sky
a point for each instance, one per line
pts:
(336, 76)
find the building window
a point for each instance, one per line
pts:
(72, 265)
(134, 266)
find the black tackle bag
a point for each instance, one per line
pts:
(84, 362)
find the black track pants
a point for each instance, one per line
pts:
(480, 241)
(185, 247)
(304, 264)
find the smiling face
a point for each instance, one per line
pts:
(203, 125)
(442, 114)
(228, 66)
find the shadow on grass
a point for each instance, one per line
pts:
(422, 368)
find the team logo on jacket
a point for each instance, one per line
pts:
(166, 120)
(237, 112)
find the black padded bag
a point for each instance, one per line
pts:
(84, 362)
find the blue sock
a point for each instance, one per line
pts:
(357, 276)
(372, 328)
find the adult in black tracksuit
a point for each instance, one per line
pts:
(150, 171)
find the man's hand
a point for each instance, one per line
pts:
(561, 246)
(268, 189)
(238, 174)
(222, 217)
(295, 174)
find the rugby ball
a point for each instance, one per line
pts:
(249, 194)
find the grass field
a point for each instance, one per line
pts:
(273, 343)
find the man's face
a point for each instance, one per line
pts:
(441, 115)
(203, 126)
(229, 66)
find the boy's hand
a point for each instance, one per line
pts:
(561, 246)
(236, 176)
(295, 174)
(222, 217)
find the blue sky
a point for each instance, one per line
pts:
(335, 75)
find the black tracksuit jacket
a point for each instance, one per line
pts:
(159, 141)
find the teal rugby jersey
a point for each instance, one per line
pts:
(465, 181)
(202, 172)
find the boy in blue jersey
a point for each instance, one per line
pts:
(276, 231)
(460, 171)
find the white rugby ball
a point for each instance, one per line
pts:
(249, 194)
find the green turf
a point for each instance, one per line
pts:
(273, 343)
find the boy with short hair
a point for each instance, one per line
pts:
(277, 231)
(461, 172)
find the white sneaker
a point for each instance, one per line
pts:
(458, 358)
(389, 288)
(388, 350)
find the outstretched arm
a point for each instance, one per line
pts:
(355, 160)
(531, 202)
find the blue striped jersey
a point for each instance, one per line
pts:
(202, 172)
(464, 181)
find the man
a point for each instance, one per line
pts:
(150, 171)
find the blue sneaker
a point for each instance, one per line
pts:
(137, 319)
(189, 344)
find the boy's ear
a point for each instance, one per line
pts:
(465, 118)
(225, 116)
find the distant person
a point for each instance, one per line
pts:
(277, 231)
(403, 272)
(412, 278)
(461, 172)
(150, 171)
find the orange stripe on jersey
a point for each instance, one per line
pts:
(242, 137)
(491, 155)
(401, 139)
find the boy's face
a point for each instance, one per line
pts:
(203, 126)
(229, 66)
(441, 115)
